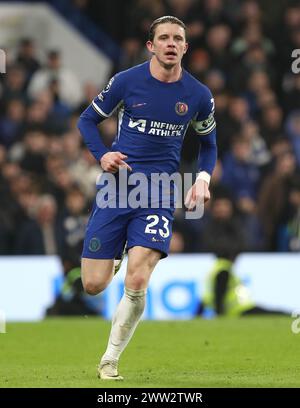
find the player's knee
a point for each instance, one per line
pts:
(142, 264)
(136, 281)
(92, 288)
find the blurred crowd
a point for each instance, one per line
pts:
(240, 49)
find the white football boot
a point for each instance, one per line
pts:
(108, 370)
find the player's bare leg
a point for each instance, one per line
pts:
(96, 274)
(141, 263)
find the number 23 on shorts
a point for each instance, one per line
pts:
(164, 232)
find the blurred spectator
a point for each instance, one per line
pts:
(27, 58)
(273, 196)
(85, 171)
(288, 37)
(250, 12)
(258, 85)
(291, 88)
(252, 35)
(74, 221)
(265, 99)
(218, 39)
(141, 17)
(13, 85)
(240, 175)
(12, 124)
(217, 174)
(223, 233)
(215, 12)
(216, 81)
(289, 231)
(185, 237)
(60, 180)
(89, 92)
(199, 63)
(68, 88)
(254, 59)
(42, 234)
(271, 123)
(134, 53)
(260, 155)
(71, 144)
(293, 132)
(238, 111)
(35, 148)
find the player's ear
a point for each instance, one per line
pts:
(186, 47)
(149, 45)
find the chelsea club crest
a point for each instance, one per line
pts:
(94, 244)
(181, 108)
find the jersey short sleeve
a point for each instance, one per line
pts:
(110, 97)
(204, 121)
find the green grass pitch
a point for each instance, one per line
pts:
(244, 352)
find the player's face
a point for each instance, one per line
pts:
(169, 44)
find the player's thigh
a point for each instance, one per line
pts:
(104, 241)
(140, 265)
(148, 240)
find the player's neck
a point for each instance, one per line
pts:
(163, 74)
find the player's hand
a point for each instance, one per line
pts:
(113, 161)
(197, 194)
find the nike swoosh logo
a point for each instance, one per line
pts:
(137, 105)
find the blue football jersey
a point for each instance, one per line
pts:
(153, 116)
